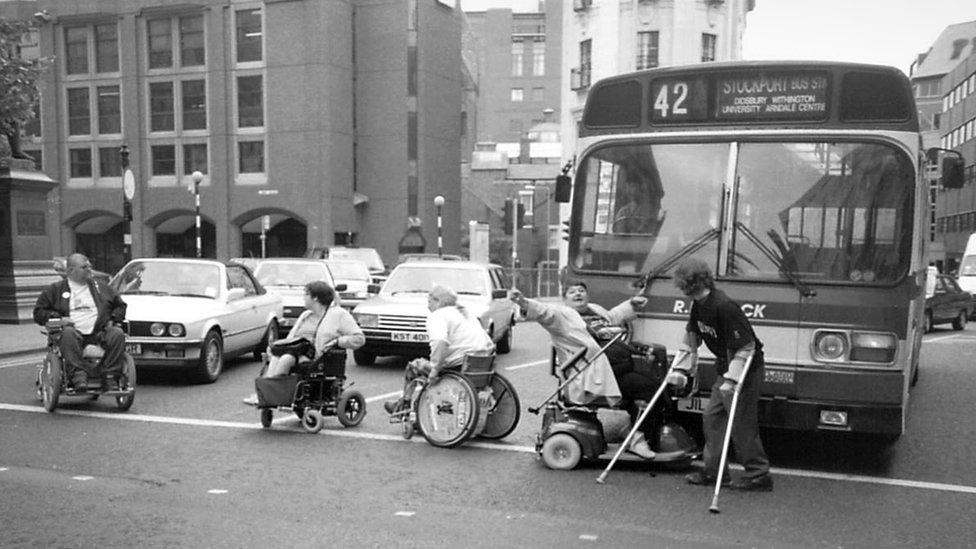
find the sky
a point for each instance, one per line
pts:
(887, 32)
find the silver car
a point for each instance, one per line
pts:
(287, 277)
(395, 321)
(355, 275)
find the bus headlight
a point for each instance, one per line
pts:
(873, 347)
(829, 346)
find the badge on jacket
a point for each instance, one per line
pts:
(66, 295)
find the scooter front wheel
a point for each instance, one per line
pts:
(561, 452)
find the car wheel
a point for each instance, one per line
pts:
(270, 336)
(505, 343)
(927, 322)
(364, 358)
(211, 358)
(960, 321)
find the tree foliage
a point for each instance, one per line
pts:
(18, 76)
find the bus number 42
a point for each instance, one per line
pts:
(662, 101)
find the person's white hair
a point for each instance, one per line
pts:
(444, 295)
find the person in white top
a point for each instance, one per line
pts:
(453, 333)
(323, 324)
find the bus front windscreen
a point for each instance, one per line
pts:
(813, 211)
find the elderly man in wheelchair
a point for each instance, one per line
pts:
(456, 394)
(84, 321)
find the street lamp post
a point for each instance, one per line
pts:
(439, 202)
(197, 177)
(128, 191)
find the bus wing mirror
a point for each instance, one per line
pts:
(952, 172)
(564, 188)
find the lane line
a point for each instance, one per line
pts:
(526, 365)
(840, 477)
(29, 361)
(384, 396)
(938, 339)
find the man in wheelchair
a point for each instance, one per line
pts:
(91, 313)
(577, 323)
(453, 333)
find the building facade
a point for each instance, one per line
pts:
(318, 122)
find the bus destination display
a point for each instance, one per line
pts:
(741, 97)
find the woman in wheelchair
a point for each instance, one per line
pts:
(577, 323)
(321, 324)
(453, 334)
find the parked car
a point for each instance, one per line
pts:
(946, 302)
(287, 277)
(430, 257)
(395, 321)
(355, 276)
(369, 256)
(195, 313)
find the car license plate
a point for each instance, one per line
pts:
(778, 376)
(694, 405)
(133, 348)
(414, 337)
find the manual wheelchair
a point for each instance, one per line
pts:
(312, 390)
(474, 401)
(52, 383)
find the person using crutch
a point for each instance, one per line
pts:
(720, 323)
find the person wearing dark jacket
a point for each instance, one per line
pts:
(91, 313)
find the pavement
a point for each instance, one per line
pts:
(20, 339)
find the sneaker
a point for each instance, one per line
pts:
(392, 406)
(80, 381)
(699, 478)
(109, 383)
(252, 400)
(762, 483)
(641, 449)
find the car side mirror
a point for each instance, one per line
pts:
(235, 293)
(341, 287)
(499, 294)
(373, 288)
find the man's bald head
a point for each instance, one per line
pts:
(441, 296)
(79, 268)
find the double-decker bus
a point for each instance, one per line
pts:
(801, 184)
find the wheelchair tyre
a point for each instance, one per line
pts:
(561, 452)
(312, 420)
(266, 415)
(351, 408)
(38, 384)
(503, 418)
(447, 410)
(51, 381)
(124, 402)
(407, 428)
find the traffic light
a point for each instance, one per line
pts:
(566, 230)
(507, 218)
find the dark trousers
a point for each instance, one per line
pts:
(111, 338)
(636, 384)
(745, 429)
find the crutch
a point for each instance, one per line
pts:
(633, 430)
(728, 434)
(578, 372)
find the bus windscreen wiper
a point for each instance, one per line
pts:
(788, 270)
(644, 282)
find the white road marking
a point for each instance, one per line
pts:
(216, 491)
(949, 338)
(520, 366)
(588, 537)
(28, 361)
(82, 477)
(903, 483)
(384, 396)
(2, 469)
(405, 513)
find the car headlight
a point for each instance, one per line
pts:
(157, 329)
(176, 330)
(829, 346)
(366, 320)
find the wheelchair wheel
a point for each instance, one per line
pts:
(124, 402)
(312, 420)
(351, 408)
(447, 410)
(51, 380)
(266, 415)
(504, 416)
(561, 452)
(408, 427)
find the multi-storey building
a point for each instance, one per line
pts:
(326, 121)
(945, 92)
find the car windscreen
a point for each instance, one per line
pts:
(349, 270)
(169, 278)
(422, 279)
(296, 274)
(369, 256)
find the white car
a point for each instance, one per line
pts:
(287, 278)
(355, 275)
(395, 321)
(195, 313)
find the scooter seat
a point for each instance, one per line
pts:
(92, 351)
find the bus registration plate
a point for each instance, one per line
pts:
(133, 348)
(693, 405)
(778, 376)
(414, 337)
